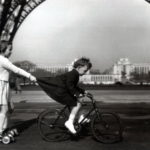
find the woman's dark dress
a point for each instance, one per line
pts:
(63, 88)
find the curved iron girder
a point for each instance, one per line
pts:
(17, 12)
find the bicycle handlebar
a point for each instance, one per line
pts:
(90, 96)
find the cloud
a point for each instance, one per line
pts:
(59, 31)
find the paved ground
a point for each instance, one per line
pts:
(135, 136)
(132, 106)
(125, 102)
(106, 96)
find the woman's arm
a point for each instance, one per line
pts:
(11, 67)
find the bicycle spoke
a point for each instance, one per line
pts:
(106, 128)
(45, 123)
(52, 127)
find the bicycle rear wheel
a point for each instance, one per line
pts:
(106, 127)
(51, 126)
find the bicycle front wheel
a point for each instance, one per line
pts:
(51, 126)
(106, 127)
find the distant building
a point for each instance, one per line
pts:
(120, 72)
(142, 68)
(97, 79)
(51, 69)
(123, 68)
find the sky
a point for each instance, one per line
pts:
(58, 31)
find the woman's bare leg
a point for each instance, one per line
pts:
(3, 118)
(70, 121)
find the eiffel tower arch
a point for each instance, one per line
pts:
(12, 15)
(147, 1)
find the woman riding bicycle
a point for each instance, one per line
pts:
(65, 90)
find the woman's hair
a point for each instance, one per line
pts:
(82, 62)
(3, 46)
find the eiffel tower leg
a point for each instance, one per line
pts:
(12, 15)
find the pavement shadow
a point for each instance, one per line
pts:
(21, 126)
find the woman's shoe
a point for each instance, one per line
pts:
(70, 127)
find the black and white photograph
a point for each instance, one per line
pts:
(74, 74)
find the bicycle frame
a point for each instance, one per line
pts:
(55, 124)
(93, 109)
(59, 114)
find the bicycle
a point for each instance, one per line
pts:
(105, 126)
